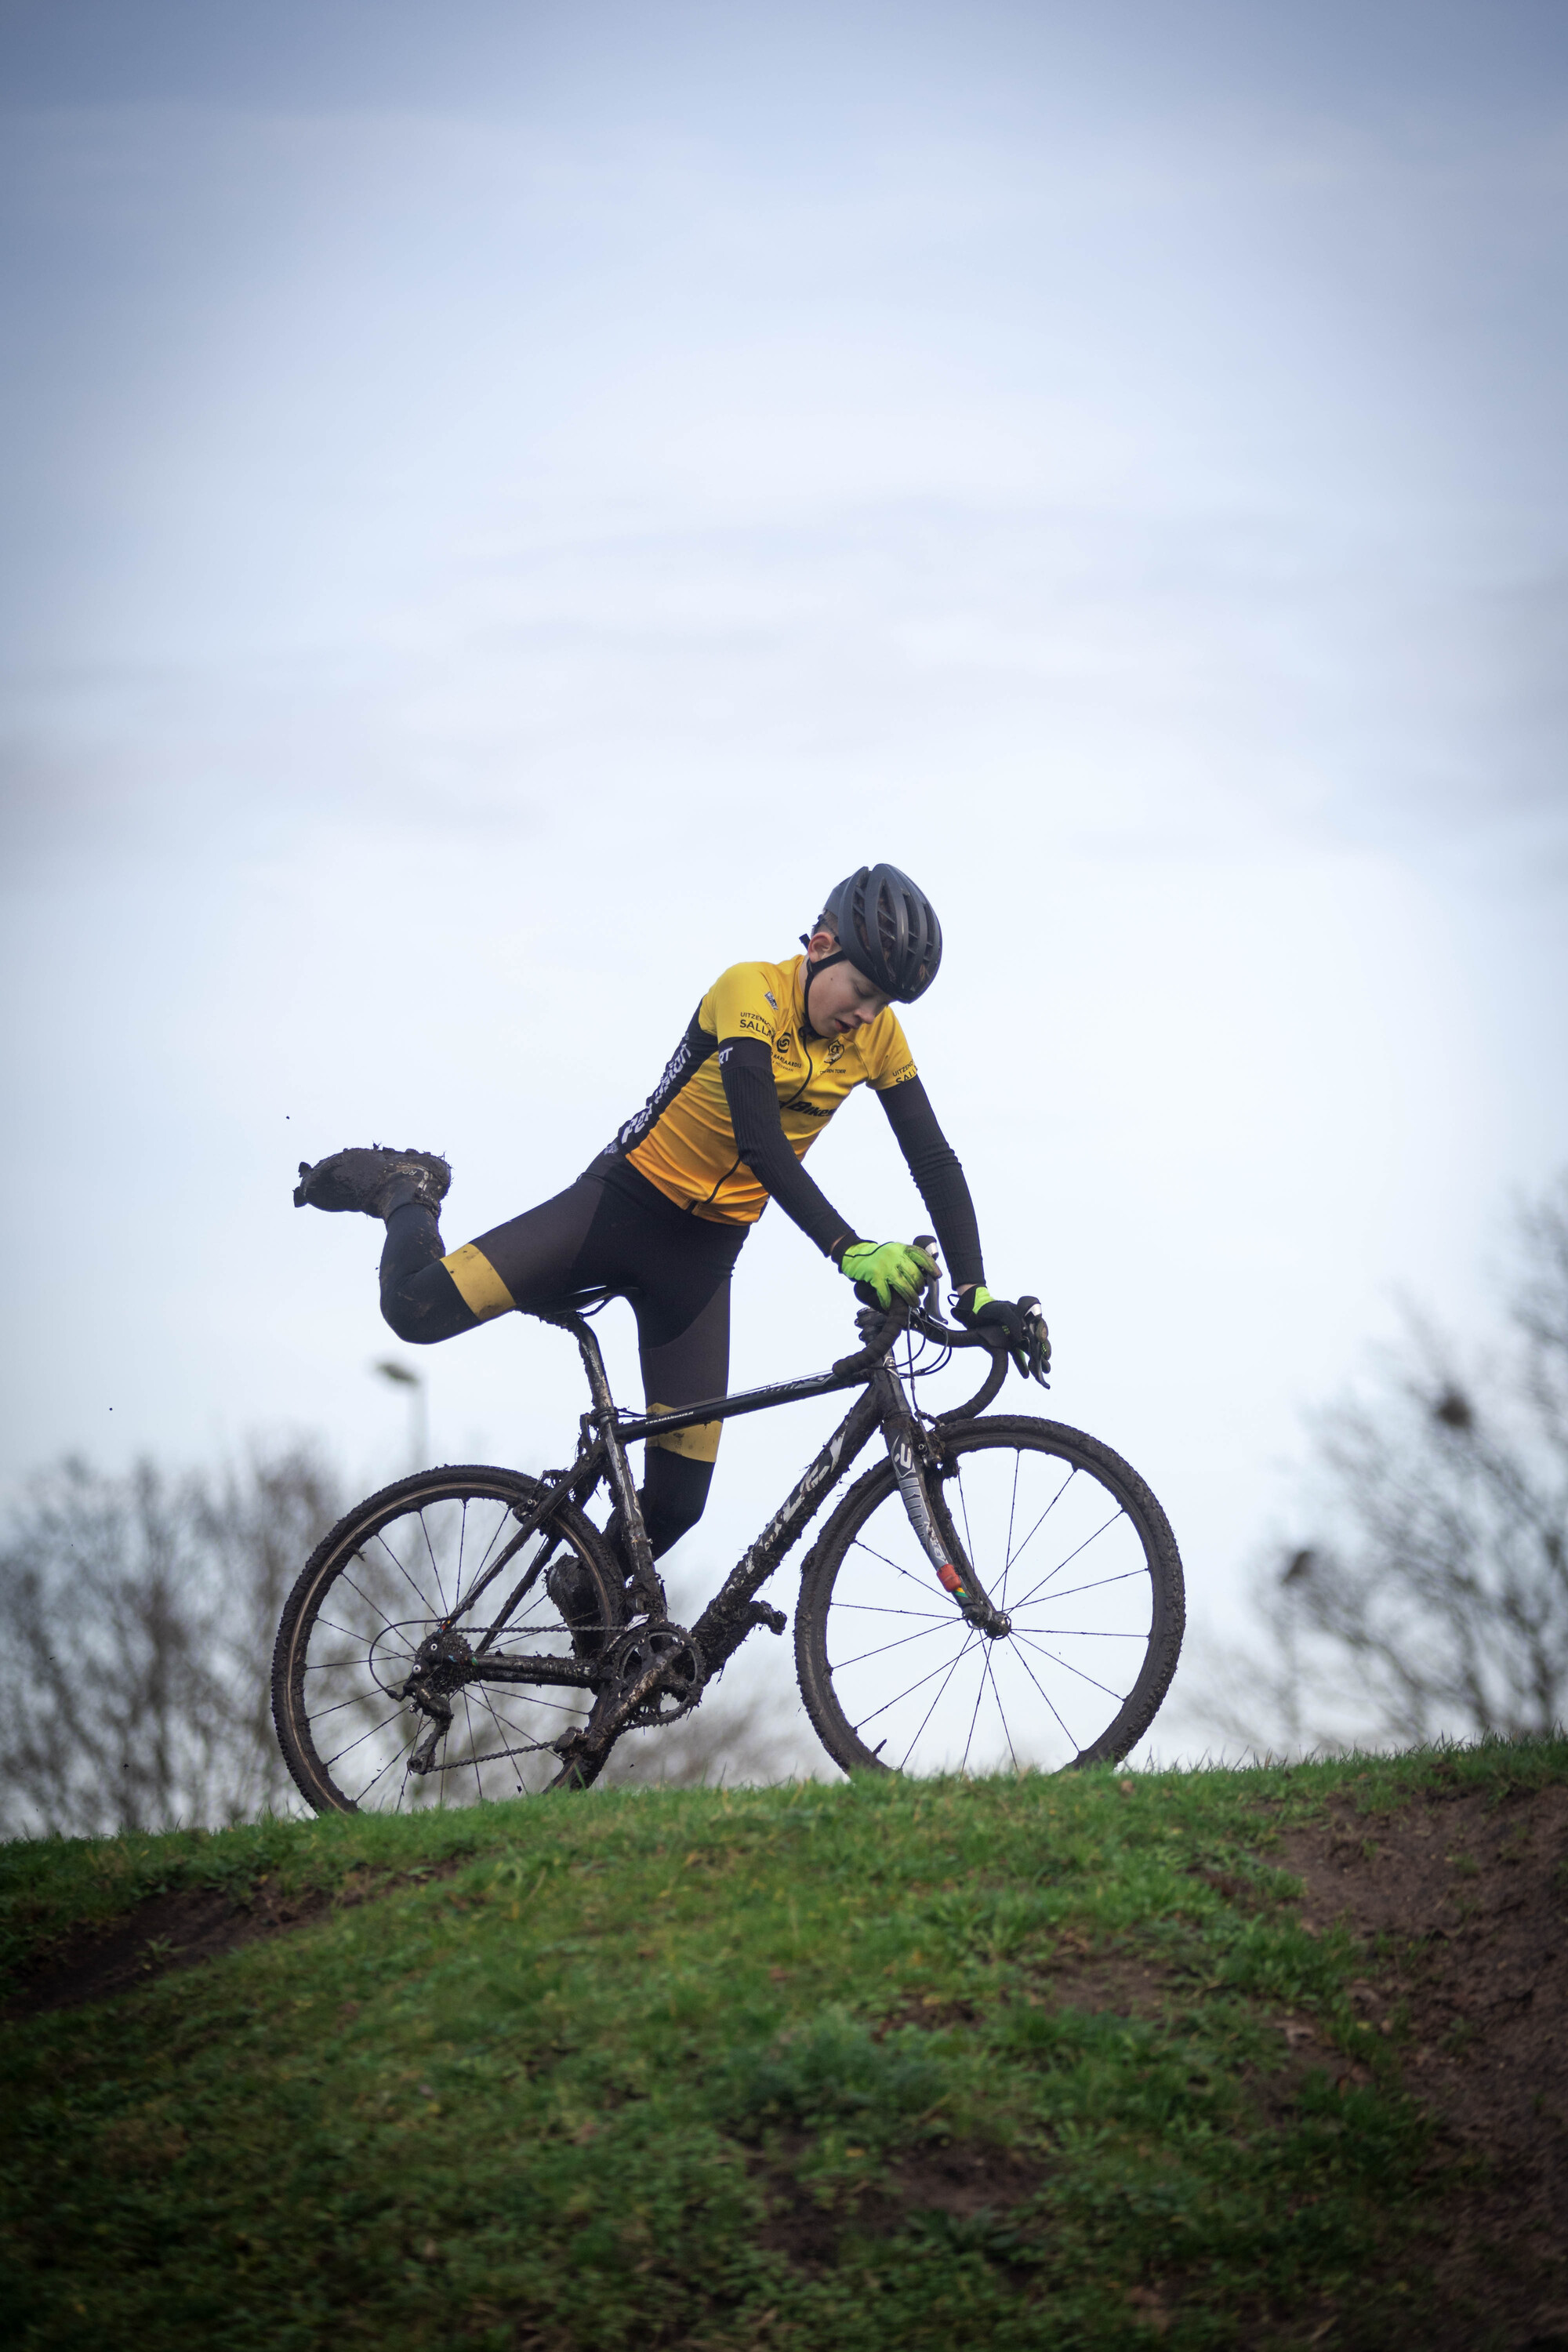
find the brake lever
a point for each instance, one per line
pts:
(930, 1289)
(879, 1326)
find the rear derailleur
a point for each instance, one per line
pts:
(442, 1663)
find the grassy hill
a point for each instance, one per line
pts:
(1245, 2058)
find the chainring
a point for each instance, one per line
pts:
(631, 1652)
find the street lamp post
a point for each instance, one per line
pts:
(402, 1377)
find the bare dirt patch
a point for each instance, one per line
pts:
(1120, 1984)
(179, 1930)
(958, 2179)
(182, 1929)
(1123, 1984)
(1462, 1905)
(1459, 1905)
(928, 2010)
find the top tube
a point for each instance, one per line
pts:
(851, 1371)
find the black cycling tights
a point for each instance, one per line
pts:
(618, 1236)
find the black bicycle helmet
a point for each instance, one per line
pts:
(887, 929)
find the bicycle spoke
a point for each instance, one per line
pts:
(435, 1564)
(337, 1665)
(537, 1622)
(349, 1751)
(380, 1538)
(1119, 1513)
(1081, 1633)
(1001, 1711)
(932, 1708)
(980, 1693)
(1044, 1514)
(1070, 1591)
(968, 1536)
(505, 1730)
(1045, 1694)
(842, 1665)
(912, 1687)
(1012, 1515)
(537, 1698)
(388, 1625)
(1068, 1668)
(467, 1763)
(880, 1609)
(479, 1576)
(337, 1708)
(922, 1583)
(397, 1756)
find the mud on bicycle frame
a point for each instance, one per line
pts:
(995, 1594)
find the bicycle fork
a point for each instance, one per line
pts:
(913, 1456)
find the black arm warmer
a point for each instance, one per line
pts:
(747, 1069)
(938, 1175)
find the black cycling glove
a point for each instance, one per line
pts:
(1028, 1339)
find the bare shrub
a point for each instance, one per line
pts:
(136, 1622)
(1426, 1593)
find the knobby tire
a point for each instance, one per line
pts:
(353, 1574)
(871, 1613)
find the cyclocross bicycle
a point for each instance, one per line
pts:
(997, 1593)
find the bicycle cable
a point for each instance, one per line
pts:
(923, 1370)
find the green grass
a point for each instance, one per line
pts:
(547, 2089)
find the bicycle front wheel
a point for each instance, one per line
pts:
(428, 1556)
(1069, 1543)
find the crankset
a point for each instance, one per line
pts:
(658, 1669)
(652, 1673)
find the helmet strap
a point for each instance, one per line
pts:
(808, 974)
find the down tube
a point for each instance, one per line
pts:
(726, 1621)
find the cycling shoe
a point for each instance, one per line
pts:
(374, 1181)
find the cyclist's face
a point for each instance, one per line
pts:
(841, 997)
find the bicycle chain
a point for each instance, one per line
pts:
(495, 1756)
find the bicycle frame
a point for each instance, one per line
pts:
(420, 1593)
(605, 1432)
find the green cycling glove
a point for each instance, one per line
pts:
(888, 1268)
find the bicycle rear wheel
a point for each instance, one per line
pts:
(1066, 1538)
(403, 1566)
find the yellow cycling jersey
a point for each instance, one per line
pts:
(683, 1140)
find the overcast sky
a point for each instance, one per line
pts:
(500, 507)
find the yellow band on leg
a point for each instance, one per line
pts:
(481, 1287)
(700, 1444)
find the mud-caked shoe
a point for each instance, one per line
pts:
(572, 1587)
(374, 1181)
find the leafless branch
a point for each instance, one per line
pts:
(136, 1625)
(1430, 1595)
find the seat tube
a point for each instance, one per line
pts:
(622, 1484)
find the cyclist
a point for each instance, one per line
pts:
(659, 1216)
